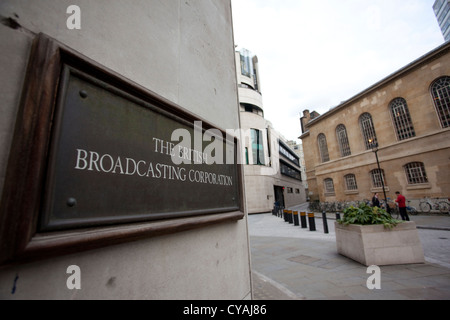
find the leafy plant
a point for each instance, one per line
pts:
(366, 215)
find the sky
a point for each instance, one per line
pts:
(314, 54)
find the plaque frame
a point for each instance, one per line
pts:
(23, 193)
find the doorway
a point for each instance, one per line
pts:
(279, 195)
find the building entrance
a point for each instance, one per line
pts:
(279, 195)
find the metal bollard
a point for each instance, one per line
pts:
(290, 217)
(285, 216)
(312, 222)
(303, 220)
(296, 221)
(325, 223)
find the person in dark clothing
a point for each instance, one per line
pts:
(401, 202)
(375, 201)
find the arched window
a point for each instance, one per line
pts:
(344, 145)
(323, 148)
(440, 91)
(368, 130)
(378, 178)
(329, 186)
(402, 119)
(350, 182)
(415, 173)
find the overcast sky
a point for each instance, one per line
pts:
(313, 54)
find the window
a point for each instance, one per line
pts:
(344, 145)
(329, 185)
(290, 171)
(415, 173)
(368, 130)
(286, 152)
(246, 63)
(257, 147)
(378, 178)
(440, 91)
(297, 191)
(350, 182)
(402, 119)
(323, 148)
(289, 190)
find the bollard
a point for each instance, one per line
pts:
(338, 216)
(290, 218)
(312, 222)
(296, 222)
(325, 223)
(303, 220)
(285, 216)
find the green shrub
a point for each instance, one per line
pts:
(366, 215)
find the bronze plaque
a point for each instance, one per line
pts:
(112, 161)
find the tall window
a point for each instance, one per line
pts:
(257, 147)
(415, 173)
(323, 148)
(378, 178)
(246, 63)
(350, 182)
(402, 119)
(344, 145)
(329, 185)
(368, 130)
(440, 91)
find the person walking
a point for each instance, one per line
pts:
(401, 202)
(375, 201)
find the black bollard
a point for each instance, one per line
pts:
(285, 216)
(303, 220)
(325, 223)
(291, 218)
(338, 216)
(296, 222)
(312, 222)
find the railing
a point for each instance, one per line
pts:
(425, 205)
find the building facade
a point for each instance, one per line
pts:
(405, 117)
(144, 64)
(298, 149)
(271, 168)
(442, 11)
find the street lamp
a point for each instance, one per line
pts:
(374, 145)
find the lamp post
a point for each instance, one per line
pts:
(374, 146)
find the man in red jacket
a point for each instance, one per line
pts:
(401, 202)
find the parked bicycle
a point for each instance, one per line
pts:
(410, 209)
(426, 205)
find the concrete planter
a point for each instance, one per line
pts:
(376, 245)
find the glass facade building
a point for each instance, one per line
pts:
(442, 11)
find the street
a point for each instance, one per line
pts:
(289, 262)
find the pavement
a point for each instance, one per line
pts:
(291, 263)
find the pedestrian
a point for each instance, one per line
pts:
(375, 200)
(401, 202)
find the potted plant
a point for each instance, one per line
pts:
(371, 236)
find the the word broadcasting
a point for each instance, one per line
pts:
(184, 149)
